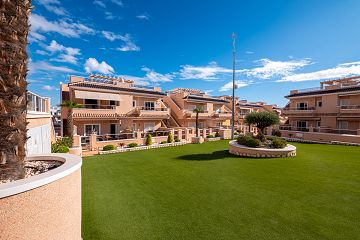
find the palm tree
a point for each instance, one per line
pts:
(197, 110)
(70, 105)
(14, 25)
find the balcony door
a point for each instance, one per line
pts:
(91, 103)
(301, 106)
(149, 105)
(113, 129)
(90, 128)
(301, 125)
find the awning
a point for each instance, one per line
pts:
(97, 95)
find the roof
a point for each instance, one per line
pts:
(324, 91)
(208, 99)
(116, 88)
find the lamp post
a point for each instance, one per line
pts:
(233, 88)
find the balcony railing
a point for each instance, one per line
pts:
(111, 137)
(350, 107)
(299, 108)
(319, 130)
(294, 128)
(163, 109)
(96, 106)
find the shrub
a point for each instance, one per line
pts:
(278, 142)
(262, 120)
(236, 133)
(109, 147)
(177, 139)
(217, 134)
(163, 142)
(65, 141)
(148, 141)
(210, 136)
(59, 148)
(170, 138)
(276, 132)
(248, 141)
(131, 145)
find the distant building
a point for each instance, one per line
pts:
(333, 108)
(56, 118)
(40, 128)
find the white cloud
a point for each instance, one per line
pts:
(99, 3)
(340, 71)
(35, 37)
(156, 77)
(53, 6)
(238, 84)
(111, 16)
(209, 72)
(207, 92)
(45, 66)
(249, 52)
(66, 27)
(118, 2)
(66, 54)
(128, 44)
(49, 88)
(144, 16)
(92, 65)
(271, 68)
(42, 52)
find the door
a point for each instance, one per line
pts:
(301, 125)
(149, 127)
(113, 129)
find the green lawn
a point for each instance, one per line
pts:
(202, 192)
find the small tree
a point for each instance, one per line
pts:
(70, 105)
(170, 138)
(262, 120)
(148, 141)
(197, 110)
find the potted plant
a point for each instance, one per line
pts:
(56, 191)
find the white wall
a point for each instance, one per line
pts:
(39, 141)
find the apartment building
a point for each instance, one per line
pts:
(182, 101)
(334, 107)
(113, 105)
(40, 129)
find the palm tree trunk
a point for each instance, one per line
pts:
(70, 125)
(14, 27)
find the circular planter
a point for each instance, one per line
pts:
(44, 206)
(244, 151)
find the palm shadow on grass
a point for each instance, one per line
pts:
(217, 155)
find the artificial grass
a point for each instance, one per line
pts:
(203, 192)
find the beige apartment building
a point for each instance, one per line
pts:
(113, 105)
(182, 101)
(333, 108)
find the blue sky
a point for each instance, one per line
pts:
(281, 45)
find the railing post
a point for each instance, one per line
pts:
(77, 141)
(187, 137)
(138, 134)
(210, 131)
(179, 133)
(93, 142)
(204, 132)
(311, 129)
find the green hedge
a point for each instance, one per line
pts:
(131, 145)
(217, 134)
(170, 138)
(109, 147)
(59, 149)
(210, 136)
(148, 141)
(163, 142)
(177, 139)
(278, 142)
(248, 141)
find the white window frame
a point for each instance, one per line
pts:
(317, 103)
(318, 124)
(340, 125)
(344, 100)
(151, 103)
(99, 133)
(306, 105)
(149, 128)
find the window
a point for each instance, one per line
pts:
(318, 124)
(90, 128)
(149, 127)
(134, 127)
(319, 103)
(191, 107)
(344, 102)
(149, 105)
(301, 106)
(301, 125)
(91, 103)
(191, 124)
(112, 103)
(342, 125)
(134, 103)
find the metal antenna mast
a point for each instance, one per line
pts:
(233, 88)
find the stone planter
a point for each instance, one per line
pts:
(244, 151)
(76, 151)
(197, 139)
(45, 206)
(212, 139)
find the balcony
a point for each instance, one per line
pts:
(299, 111)
(153, 112)
(191, 114)
(222, 114)
(350, 109)
(95, 111)
(294, 128)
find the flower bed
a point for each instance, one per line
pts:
(244, 151)
(127, 149)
